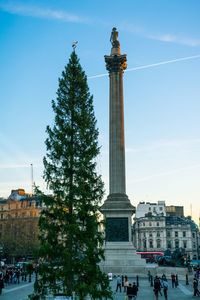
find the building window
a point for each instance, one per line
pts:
(169, 244)
(158, 224)
(184, 233)
(1, 216)
(144, 244)
(176, 233)
(158, 234)
(144, 224)
(144, 234)
(176, 244)
(150, 224)
(161, 208)
(158, 244)
(150, 234)
(184, 244)
(193, 235)
(149, 208)
(150, 244)
(194, 245)
(168, 234)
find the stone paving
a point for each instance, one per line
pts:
(17, 292)
(182, 292)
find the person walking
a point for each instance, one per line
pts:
(132, 291)
(119, 284)
(126, 283)
(157, 287)
(122, 280)
(195, 287)
(173, 277)
(1, 283)
(17, 276)
(165, 288)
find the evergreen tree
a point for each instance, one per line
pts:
(71, 243)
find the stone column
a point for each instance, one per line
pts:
(117, 209)
(120, 254)
(116, 64)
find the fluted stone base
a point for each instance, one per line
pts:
(121, 258)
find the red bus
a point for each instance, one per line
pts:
(150, 257)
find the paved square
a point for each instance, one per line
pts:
(182, 292)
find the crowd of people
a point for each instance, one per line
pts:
(131, 289)
(13, 275)
(160, 285)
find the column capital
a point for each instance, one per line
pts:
(115, 63)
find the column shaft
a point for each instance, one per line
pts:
(117, 175)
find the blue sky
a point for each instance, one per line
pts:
(162, 101)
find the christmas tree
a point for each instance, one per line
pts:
(70, 235)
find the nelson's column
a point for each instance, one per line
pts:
(120, 254)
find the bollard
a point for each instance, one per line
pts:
(151, 280)
(149, 275)
(176, 282)
(186, 279)
(137, 280)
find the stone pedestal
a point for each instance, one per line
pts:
(120, 254)
(121, 258)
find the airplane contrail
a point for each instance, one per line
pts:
(151, 65)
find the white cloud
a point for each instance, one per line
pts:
(166, 144)
(135, 29)
(165, 37)
(40, 12)
(64, 16)
(170, 38)
(166, 173)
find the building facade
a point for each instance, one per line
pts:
(156, 209)
(159, 228)
(19, 215)
(150, 233)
